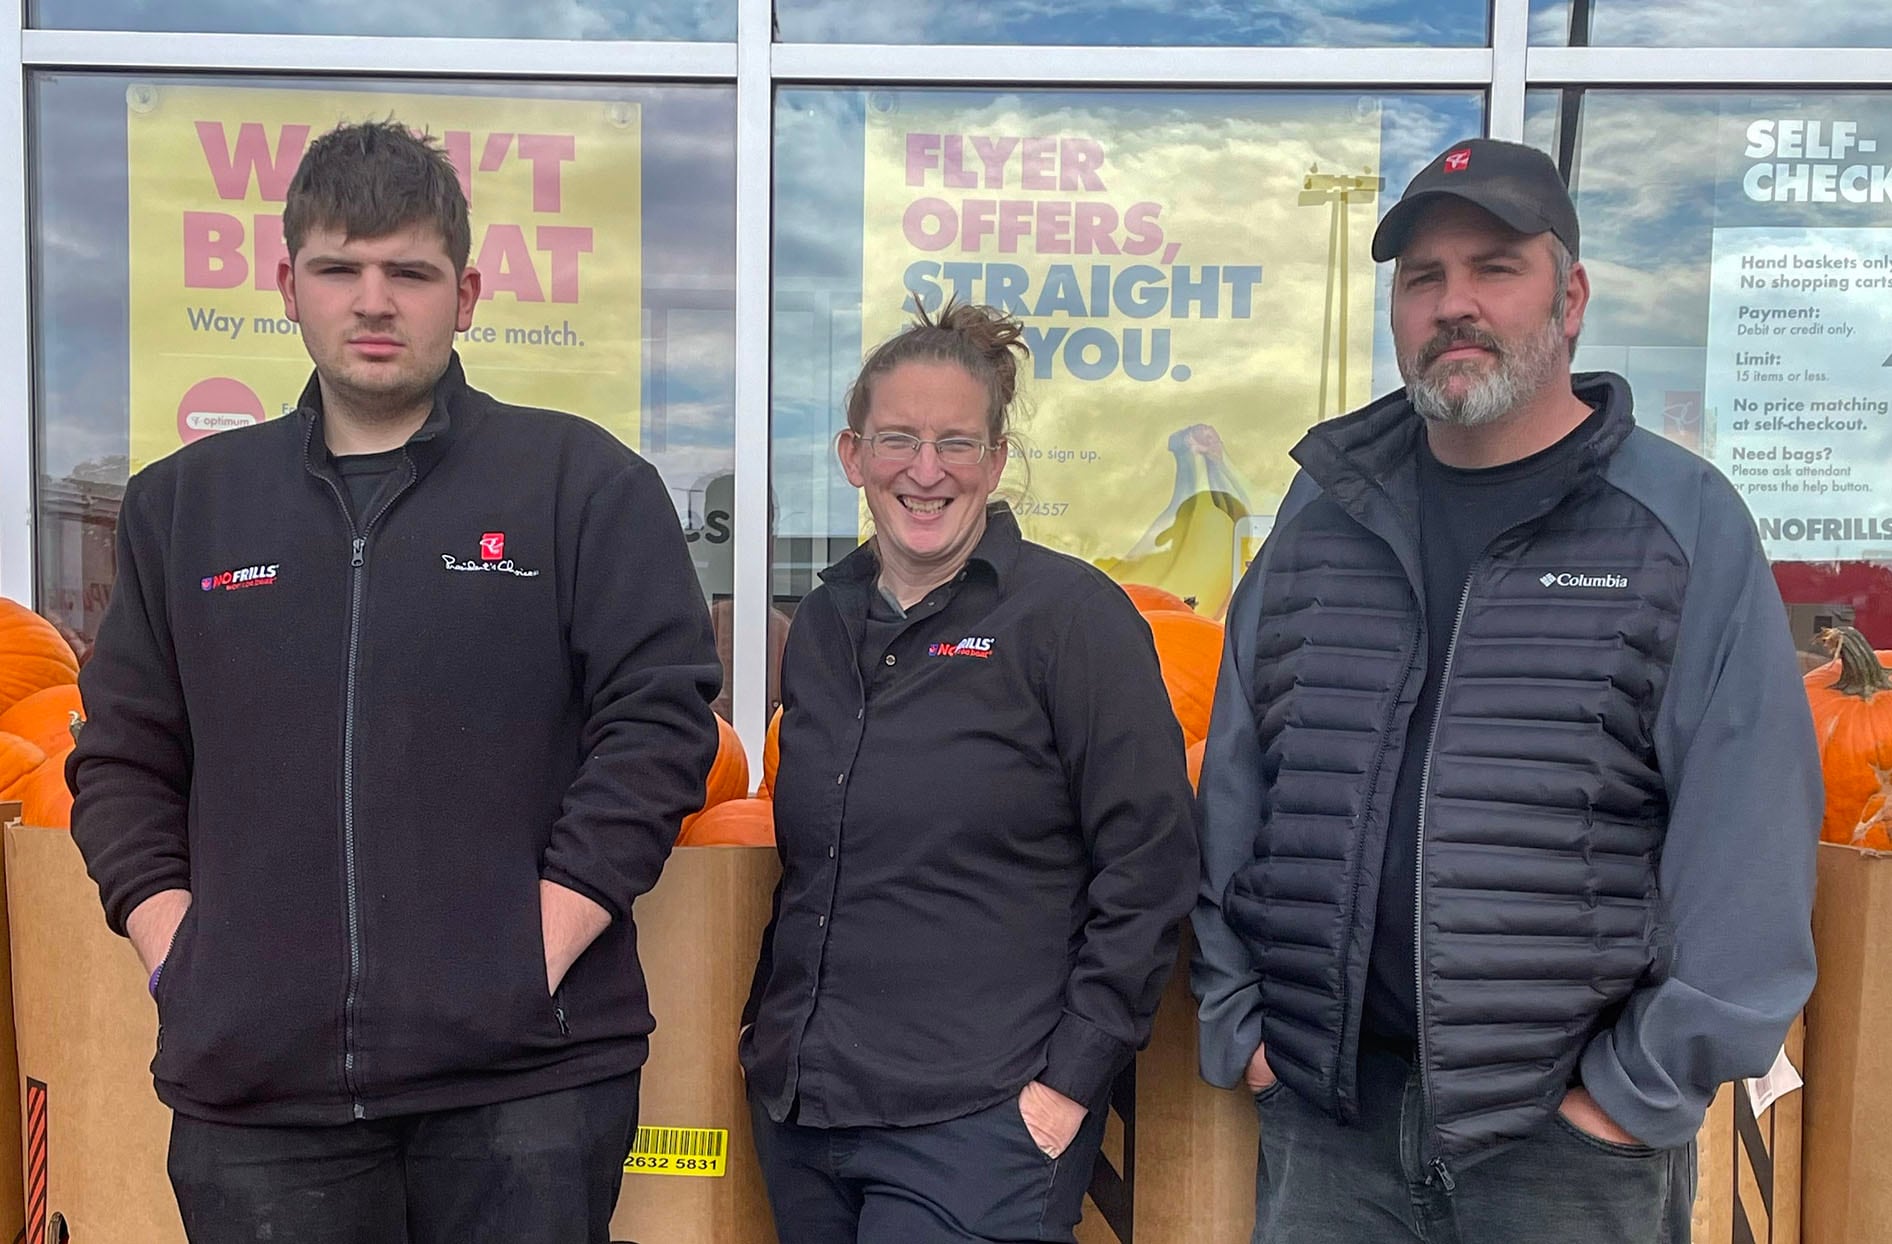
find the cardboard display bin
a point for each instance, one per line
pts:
(96, 1134)
(1178, 1162)
(1848, 1193)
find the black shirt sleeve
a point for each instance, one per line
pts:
(1122, 753)
(131, 769)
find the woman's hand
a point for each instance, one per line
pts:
(1050, 1117)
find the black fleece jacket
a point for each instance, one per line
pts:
(361, 745)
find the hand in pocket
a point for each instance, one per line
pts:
(1050, 1117)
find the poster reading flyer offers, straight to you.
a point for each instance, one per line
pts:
(554, 189)
(1195, 290)
(1799, 366)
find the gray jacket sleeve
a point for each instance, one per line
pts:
(1735, 743)
(1232, 801)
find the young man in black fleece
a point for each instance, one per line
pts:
(397, 707)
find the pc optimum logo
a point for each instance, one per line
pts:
(1592, 581)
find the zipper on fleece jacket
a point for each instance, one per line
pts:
(358, 564)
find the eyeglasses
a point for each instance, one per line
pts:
(905, 447)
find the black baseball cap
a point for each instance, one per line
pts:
(1517, 184)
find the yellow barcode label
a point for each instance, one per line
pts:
(679, 1151)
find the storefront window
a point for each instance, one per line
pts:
(1740, 248)
(1193, 273)
(603, 224)
(1139, 23)
(492, 19)
(1708, 23)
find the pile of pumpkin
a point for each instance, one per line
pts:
(1851, 698)
(39, 715)
(1188, 647)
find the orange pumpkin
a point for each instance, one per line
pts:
(46, 798)
(771, 756)
(1189, 648)
(45, 717)
(737, 823)
(33, 654)
(1195, 762)
(18, 758)
(1851, 699)
(1149, 599)
(728, 776)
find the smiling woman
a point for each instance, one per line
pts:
(926, 441)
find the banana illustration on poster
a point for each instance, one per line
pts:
(1179, 293)
(1187, 549)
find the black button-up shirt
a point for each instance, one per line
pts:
(987, 844)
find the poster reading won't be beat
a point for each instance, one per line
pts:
(554, 187)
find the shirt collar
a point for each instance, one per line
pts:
(996, 551)
(428, 441)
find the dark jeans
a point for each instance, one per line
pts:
(540, 1170)
(971, 1180)
(1320, 1183)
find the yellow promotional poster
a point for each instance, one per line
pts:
(1195, 283)
(554, 187)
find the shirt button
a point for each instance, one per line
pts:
(840, 778)
(890, 658)
(830, 852)
(821, 922)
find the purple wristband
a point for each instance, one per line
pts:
(155, 973)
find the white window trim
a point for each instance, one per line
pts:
(753, 541)
(16, 372)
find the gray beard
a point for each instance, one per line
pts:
(1492, 394)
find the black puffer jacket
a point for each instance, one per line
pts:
(1622, 752)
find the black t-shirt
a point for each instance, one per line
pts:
(1460, 513)
(366, 475)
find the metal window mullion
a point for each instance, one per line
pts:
(755, 141)
(17, 468)
(1510, 48)
(379, 55)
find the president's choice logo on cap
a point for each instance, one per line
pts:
(1519, 185)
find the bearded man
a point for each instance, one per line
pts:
(1510, 798)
